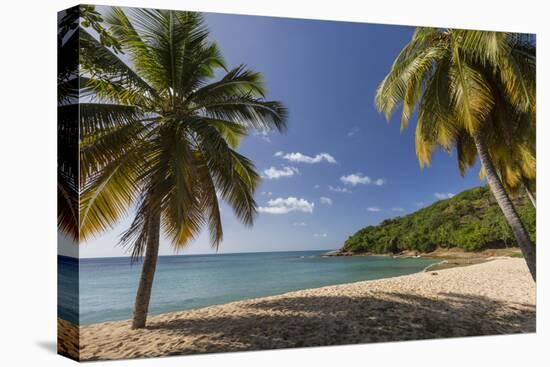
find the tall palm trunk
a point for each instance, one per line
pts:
(503, 200)
(143, 295)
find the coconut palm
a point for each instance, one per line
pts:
(160, 137)
(67, 111)
(67, 128)
(475, 92)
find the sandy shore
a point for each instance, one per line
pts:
(496, 297)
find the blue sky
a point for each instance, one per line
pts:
(339, 166)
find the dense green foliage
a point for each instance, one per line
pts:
(470, 220)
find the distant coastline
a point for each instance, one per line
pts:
(449, 258)
(197, 254)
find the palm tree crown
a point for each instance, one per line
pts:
(474, 91)
(463, 82)
(162, 134)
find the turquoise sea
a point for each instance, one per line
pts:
(103, 289)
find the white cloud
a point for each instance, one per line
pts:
(302, 158)
(264, 134)
(373, 209)
(397, 209)
(285, 206)
(420, 203)
(273, 173)
(268, 193)
(325, 200)
(316, 186)
(352, 132)
(324, 235)
(278, 154)
(339, 189)
(299, 224)
(443, 195)
(355, 179)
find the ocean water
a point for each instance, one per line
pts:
(103, 289)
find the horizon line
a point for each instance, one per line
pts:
(200, 254)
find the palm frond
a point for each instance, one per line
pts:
(518, 76)
(236, 82)
(97, 118)
(110, 192)
(470, 93)
(183, 217)
(209, 201)
(106, 68)
(413, 64)
(253, 113)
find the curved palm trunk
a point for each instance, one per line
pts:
(143, 295)
(503, 200)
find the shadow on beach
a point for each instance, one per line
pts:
(316, 321)
(489, 299)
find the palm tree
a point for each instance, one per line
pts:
(67, 128)
(475, 91)
(67, 110)
(161, 136)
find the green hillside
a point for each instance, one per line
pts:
(470, 220)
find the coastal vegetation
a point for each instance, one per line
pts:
(474, 92)
(471, 220)
(159, 132)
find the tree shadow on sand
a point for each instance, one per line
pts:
(335, 320)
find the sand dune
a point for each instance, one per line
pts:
(497, 297)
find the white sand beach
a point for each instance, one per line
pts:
(496, 297)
